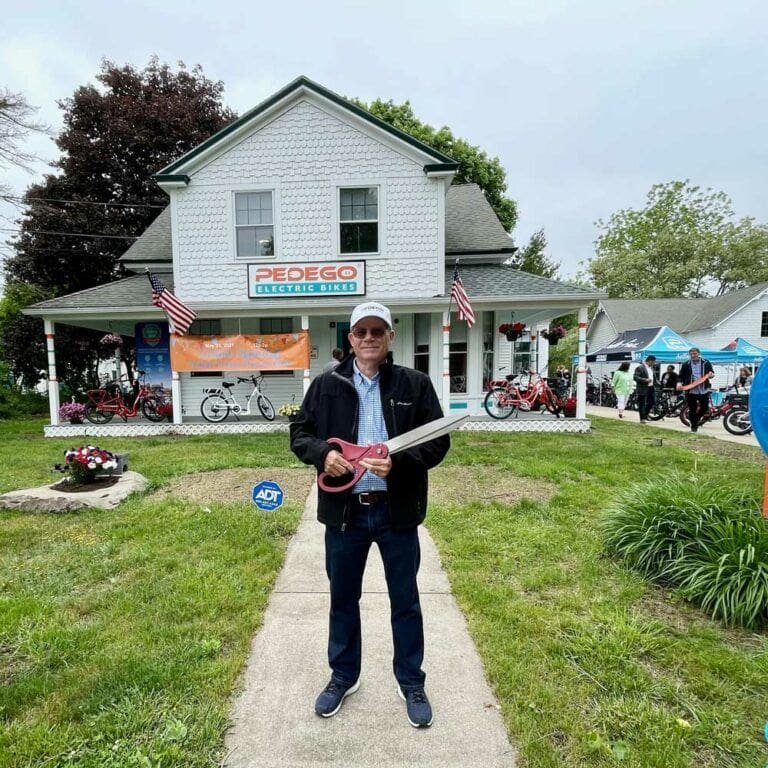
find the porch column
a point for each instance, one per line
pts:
(446, 362)
(176, 396)
(542, 350)
(53, 382)
(305, 381)
(581, 371)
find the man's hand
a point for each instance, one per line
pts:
(379, 467)
(336, 465)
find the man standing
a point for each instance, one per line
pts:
(696, 369)
(336, 357)
(367, 399)
(643, 377)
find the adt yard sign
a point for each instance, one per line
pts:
(267, 495)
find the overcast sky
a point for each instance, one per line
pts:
(586, 104)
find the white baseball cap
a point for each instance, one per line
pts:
(370, 309)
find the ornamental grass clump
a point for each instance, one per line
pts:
(710, 542)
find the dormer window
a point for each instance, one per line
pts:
(359, 220)
(254, 224)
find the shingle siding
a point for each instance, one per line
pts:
(304, 155)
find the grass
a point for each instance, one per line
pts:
(122, 633)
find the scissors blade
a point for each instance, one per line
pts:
(425, 433)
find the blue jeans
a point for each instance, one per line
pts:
(346, 553)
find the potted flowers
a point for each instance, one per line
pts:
(72, 412)
(512, 331)
(84, 462)
(289, 410)
(554, 334)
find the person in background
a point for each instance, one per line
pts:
(669, 379)
(744, 379)
(698, 397)
(644, 379)
(336, 357)
(622, 386)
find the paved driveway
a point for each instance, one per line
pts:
(712, 429)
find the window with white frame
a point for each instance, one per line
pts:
(359, 220)
(254, 224)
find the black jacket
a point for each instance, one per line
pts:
(330, 409)
(640, 377)
(686, 372)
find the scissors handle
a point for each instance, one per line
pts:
(353, 454)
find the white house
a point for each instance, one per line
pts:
(710, 323)
(304, 184)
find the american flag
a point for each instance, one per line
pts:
(459, 295)
(180, 316)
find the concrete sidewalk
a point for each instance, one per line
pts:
(710, 428)
(273, 719)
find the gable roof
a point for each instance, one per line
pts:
(471, 227)
(175, 172)
(684, 315)
(471, 224)
(154, 244)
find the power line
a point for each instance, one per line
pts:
(80, 202)
(69, 234)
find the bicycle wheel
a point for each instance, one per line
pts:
(737, 422)
(684, 416)
(265, 406)
(498, 403)
(214, 408)
(149, 407)
(96, 416)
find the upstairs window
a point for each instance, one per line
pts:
(359, 220)
(254, 225)
(764, 325)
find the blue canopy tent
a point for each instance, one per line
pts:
(670, 347)
(744, 352)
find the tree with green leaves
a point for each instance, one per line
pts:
(682, 242)
(115, 137)
(532, 258)
(474, 164)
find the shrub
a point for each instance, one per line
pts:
(16, 404)
(711, 542)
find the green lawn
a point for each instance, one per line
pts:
(122, 633)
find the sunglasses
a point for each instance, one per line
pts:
(360, 333)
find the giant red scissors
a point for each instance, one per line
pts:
(354, 454)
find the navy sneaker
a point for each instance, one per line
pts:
(417, 707)
(329, 702)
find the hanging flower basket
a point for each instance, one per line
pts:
(554, 334)
(111, 342)
(513, 331)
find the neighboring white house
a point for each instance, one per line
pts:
(710, 323)
(308, 180)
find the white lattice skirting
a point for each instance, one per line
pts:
(145, 429)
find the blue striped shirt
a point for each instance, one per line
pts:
(371, 427)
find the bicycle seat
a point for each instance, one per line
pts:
(510, 377)
(228, 384)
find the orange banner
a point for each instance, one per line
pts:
(268, 352)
